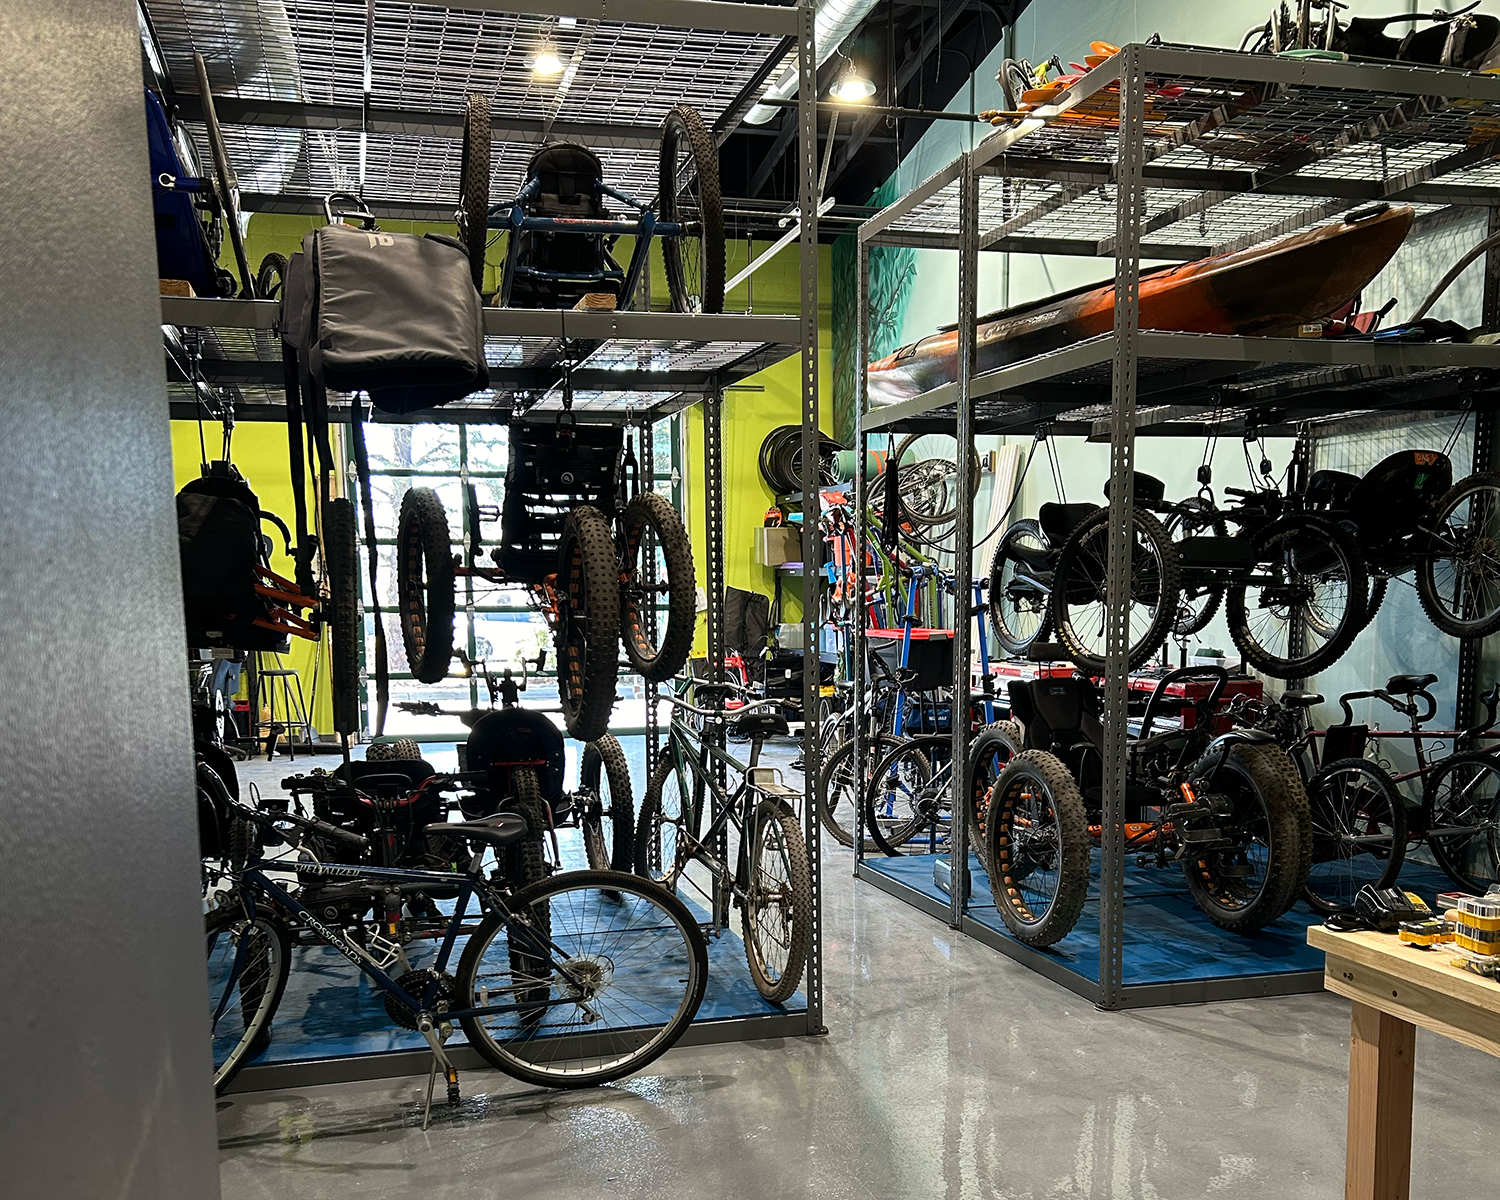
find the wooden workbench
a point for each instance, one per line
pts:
(1396, 988)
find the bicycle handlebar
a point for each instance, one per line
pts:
(353, 840)
(1409, 710)
(716, 712)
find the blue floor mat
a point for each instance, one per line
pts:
(1167, 937)
(331, 1010)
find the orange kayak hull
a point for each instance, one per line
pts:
(1267, 290)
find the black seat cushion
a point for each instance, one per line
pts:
(1146, 488)
(1330, 487)
(499, 830)
(1058, 712)
(506, 738)
(1405, 685)
(1296, 699)
(1059, 520)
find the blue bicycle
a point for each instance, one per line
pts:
(562, 235)
(574, 981)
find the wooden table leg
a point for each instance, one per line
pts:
(1382, 1053)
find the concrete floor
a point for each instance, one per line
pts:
(948, 1070)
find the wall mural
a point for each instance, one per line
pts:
(892, 271)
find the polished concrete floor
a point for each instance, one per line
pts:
(948, 1070)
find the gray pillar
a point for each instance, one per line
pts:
(103, 1014)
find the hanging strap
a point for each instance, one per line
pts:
(890, 517)
(372, 556)
(306, 546)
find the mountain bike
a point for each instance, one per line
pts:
(572, 982)
(766, 874)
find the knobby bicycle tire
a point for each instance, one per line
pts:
(1032, 785)
(424, 584)
(1481, 546)
(341, 556)
(524, 862)
(474, 185)
(658, 662)
(588, 627)
(661, 914)
(780, 882)
(604, 763)
(684, 125)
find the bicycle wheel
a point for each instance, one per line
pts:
(839, 790)
(1037, 848)
(908, 794)
(1459, 584)
(474, 185)
(993, 748)
(341, 557)
(690, 196)
(271, 276)
(673, 573)
(1018, 603)
(1259, 875)
(929, 486)
(609, 817)
(424, 584)
(1079, 590)
(1196, 517)
(664, 810)
(248, 961)
(621, 976)
(1304, 601)
(1358, 833)
(523, 863)
(778, 902)
(588, 623)
(1463, 797)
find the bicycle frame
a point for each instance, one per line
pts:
(254, 880)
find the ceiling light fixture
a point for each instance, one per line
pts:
(546, 64)
(852, 88)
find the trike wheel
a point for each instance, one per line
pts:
(1463, 796)
(424, 584)
(1459, 583)
(1307, 578)
(609, 819)
(1037, 848)
(929, 481)
(1253, 881)
(690, 196)
(1018, 610)
(623, 976)
(271, 277)
(588, 623)
(1079, 579)
(778, 902)
(474, 185)
(1196, 517)
(340, 556)
(653, 514)
(994, 747)
(1358, 833)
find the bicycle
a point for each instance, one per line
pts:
(571, 982)
(1363, 824)
(769, 877)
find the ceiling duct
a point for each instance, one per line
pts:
(833, 22)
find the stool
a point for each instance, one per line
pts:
(294, 716)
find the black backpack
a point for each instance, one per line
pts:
(220, 545)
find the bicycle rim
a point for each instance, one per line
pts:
(1464, 836)
(778, 903)
(241, 1021)
(624, 977)
(1359, 838)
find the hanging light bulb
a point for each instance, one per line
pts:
(546, 63)
(852, 88)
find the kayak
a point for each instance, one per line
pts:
(1267, 290)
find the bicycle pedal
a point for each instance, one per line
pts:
(452, 1075)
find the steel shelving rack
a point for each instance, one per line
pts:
(1181, 153)
(386, 89)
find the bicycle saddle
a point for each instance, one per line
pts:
(1059, 520)
(1405, 685)
(1300, 699)
(500, 830)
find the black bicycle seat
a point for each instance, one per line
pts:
(1405, 685)
(500, 830)
(1296, 699)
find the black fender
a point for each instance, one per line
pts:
(1218, 750)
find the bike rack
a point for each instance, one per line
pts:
(1055, 183)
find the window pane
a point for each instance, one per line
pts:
(425, 447)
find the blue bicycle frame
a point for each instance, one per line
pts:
(644, 228)
(254, 879)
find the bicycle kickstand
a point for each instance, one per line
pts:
(435, 1036)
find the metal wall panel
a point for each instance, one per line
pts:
(105, 1086)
